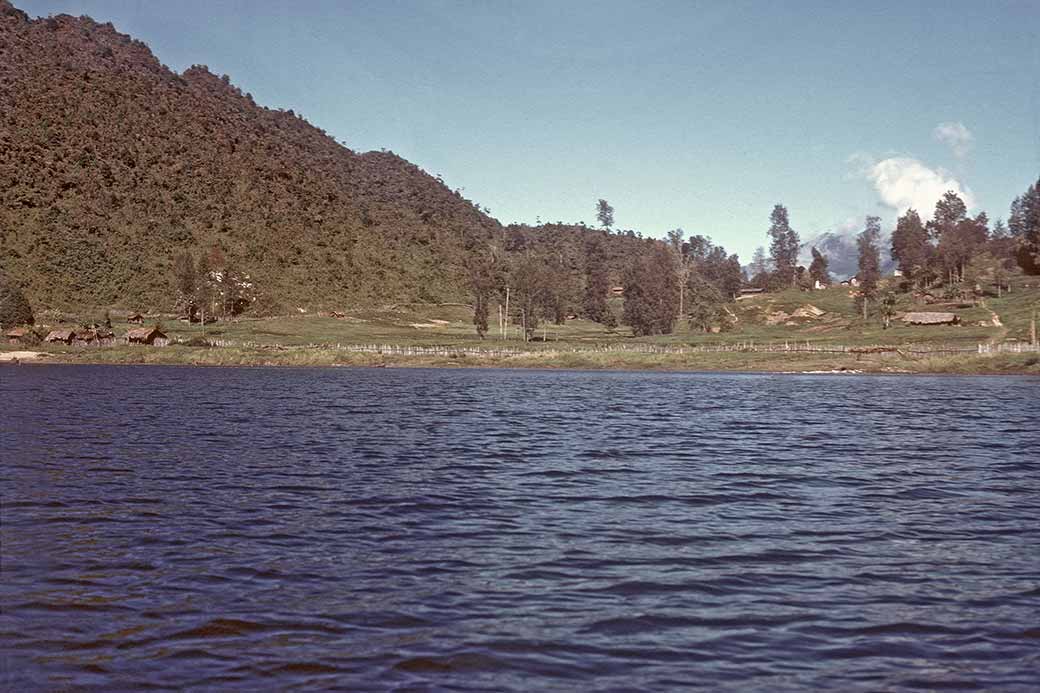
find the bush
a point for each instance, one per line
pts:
(14, 307)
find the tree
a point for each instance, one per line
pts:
(482, 284)
(605, 214)
(651, 296)
(1024, 224)
(204, 288)
(869, 263)
(956, 234)
(910, 248)
(682, 261)
(783, 247)
(14, 306)
(187, 283)
(529, 281)
(818, 269)
(597, 281)
(759, 268)
(705, 306)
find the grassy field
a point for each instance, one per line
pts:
(312, 340)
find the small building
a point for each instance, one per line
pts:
(144, 335)
(924, 318)
(617, 291)
(21, 335)
(85, 336)
(749, 293)
(135, 319)
(60, 336)
(851, 281)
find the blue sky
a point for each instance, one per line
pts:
(681, 114)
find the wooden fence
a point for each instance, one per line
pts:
(446, 351)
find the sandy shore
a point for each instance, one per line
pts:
(22, 355)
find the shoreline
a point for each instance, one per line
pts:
(762, 363)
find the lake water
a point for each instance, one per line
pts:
(263, 529)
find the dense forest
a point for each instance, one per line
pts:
(128, 185)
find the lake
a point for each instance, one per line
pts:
(376, 529)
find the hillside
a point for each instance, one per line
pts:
(112, 164)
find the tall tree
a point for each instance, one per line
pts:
(783, 247)
(482, 285)
(869, 263)
(683, 264)
(910, 248)
(651, 296)
(204, 288)
(950, 212)
(597, 280)
(1024, 224)
(605, 214)
(186, 281)
(818, 269)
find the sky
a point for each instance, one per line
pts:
(692, 115)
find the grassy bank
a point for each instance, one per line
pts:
(554, 359)
(443, 336)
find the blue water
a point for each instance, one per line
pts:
(264, 529)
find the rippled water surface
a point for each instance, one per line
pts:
(506, 530)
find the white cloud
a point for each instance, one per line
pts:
(903, 182)
(956, 136)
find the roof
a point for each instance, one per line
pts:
(59, 335)
(144, 333)
(925, 318)
(17, 332)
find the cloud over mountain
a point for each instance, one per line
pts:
(903, 183)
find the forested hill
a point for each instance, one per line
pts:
(111, 165)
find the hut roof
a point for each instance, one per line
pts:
(925, 318)
(144, 333)
(17, 332)
(59, 335)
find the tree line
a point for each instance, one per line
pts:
(571, 271)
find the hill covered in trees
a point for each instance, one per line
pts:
(112, 164)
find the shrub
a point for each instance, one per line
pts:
(14, 307)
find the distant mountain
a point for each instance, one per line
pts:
(111, 164)
(842, 253)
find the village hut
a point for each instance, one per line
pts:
(59, 336)
(144, 335)
(85, 336)
(617, 291)
(135, 319)
(925, 318)
(21, 335)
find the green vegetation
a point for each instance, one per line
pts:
(183, 197)
(14, 307)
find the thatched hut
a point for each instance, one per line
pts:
(60, 336)
(928, 318)
(144, 335)
(21, 335)
(85, 336)
(135, 319)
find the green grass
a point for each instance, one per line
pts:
(313, 340)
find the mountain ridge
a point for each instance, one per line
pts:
(116, 163)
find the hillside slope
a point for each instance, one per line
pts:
(111, 164)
